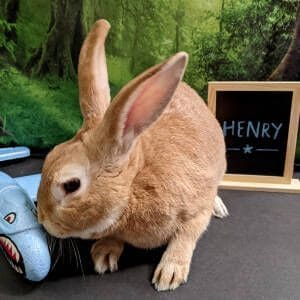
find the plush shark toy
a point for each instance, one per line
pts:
(22, 239)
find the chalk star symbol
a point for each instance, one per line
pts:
(248, 149)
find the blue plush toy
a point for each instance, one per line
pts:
(22, 239)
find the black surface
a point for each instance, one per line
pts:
(253, 254)
(259, 119)
(22, 167)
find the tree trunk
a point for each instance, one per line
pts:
(135, 45)
(221, 16)
(270, 47)
(178, 17)
(9, 12)
(60, 52)
(289, 67)
(3, 130)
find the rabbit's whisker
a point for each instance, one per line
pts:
(74, 251)
(78, 256)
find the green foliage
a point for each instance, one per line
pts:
(32, 26)
(226, 40)
(37, 113)
(252, 38)
(5, 43)
(144, 33)
(118, 71)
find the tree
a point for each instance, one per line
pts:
(3, 130)
(249, 41)
(289, 67)
(58, 55)
(140, 13)
(221, 15)
(9, 12)
(178, 17)
(8, 18)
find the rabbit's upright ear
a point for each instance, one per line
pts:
(94, 90)
(142, 101)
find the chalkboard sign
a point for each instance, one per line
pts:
(256, 132)
(260, 123)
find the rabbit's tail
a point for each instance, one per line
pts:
(220, 210)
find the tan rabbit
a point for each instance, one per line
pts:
(142, 170)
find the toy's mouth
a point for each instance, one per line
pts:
(12, 254)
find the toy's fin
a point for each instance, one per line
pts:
(30, 184)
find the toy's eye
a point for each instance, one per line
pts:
(10, 218)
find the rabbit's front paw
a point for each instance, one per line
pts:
(170, 275)
(105, 254)
(220, 209)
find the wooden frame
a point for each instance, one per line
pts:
(284, 183)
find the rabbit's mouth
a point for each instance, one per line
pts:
(12, 254)
(55, 229)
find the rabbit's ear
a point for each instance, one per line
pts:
(94, 90)
(143, 100)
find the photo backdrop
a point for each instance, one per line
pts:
(40, 42)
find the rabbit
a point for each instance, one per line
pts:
(144, 169)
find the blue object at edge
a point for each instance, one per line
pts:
(22, 239)
(14, 153)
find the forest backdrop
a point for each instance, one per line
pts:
(40, 42)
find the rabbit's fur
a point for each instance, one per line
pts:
(143, 170)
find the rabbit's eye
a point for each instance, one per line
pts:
(71, 185)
